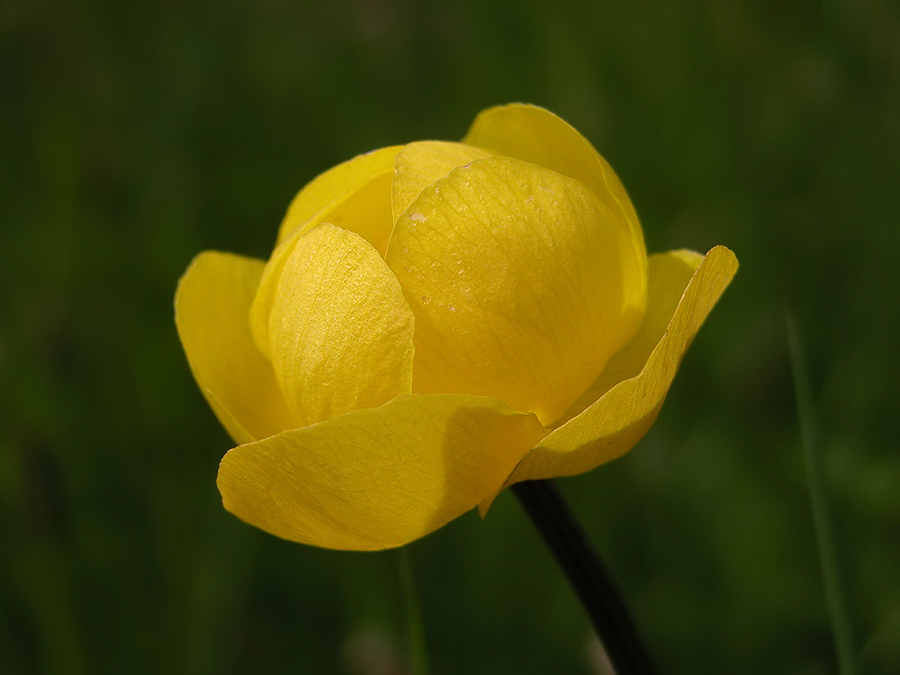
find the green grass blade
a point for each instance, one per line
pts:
(835, 596)
(418, 654)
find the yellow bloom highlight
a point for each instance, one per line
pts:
(438, 321)
(340, 334)
(522, 282)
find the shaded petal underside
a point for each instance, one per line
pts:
(377, 478)
(668, 275)
(354, 195)
(616, 422)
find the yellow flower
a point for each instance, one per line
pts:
(438, 321)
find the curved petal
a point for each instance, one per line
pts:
(522, 282)
(613, 424)
(340, 332)
(211, 307)
(668, 275)
(377, 478)
(536, 135)
(354, 195)
(420, 164)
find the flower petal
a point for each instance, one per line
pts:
(340, 332)
(613, 424)
(354, 195)
(420, 164)
(377, 478)
(522, 282)
(211, 307)
(668, 275)
(536, 135)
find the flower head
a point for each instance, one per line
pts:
(436, 322)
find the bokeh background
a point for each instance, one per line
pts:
(134, 135)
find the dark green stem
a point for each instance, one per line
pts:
(588, 576)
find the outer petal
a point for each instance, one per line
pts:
(536, 135)
(522, 283)
(613, 424)
(355, 195)
(211, 307)
(377, 478)
(340, 331)
(668, 275)
(420, 164)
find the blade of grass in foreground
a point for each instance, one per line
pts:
(835, 597)
(418, 655)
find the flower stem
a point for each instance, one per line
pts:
(588, 576)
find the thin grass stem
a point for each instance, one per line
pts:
(835, 596)
(415, 630)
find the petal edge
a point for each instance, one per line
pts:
(340, 330)
(212, 305)
(619, 419)
(534, 134)
(377, 478)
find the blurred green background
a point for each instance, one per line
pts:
(134, 135)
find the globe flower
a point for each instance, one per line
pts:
(439, 321)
